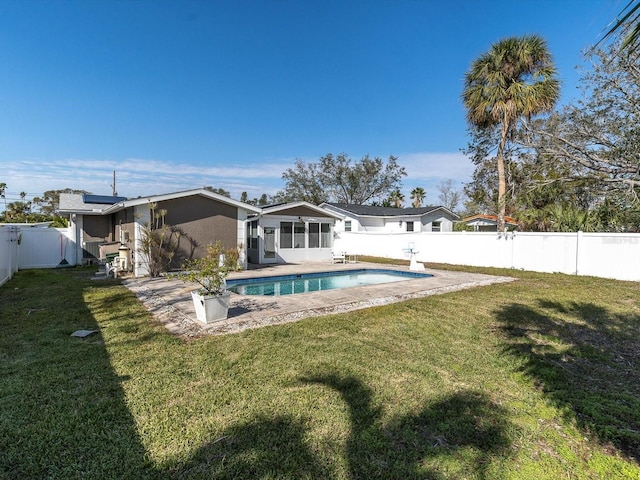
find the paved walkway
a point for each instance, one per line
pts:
(170, 300)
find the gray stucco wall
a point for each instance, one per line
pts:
(97, 228)
(198, 221)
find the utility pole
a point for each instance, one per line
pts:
(113, 185)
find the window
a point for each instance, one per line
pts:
(252, 235)
(286, 235)
(435, 226)
(409, 226)
(314, 235)
(325, 235)
(347, 225)
(299, 235)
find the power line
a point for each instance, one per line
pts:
(27, 193)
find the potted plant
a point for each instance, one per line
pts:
(211, 299)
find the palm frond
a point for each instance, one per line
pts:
(628, 24)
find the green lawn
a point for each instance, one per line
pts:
(535, 379)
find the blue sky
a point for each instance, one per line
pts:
(176, 94)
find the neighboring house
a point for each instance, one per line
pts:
(366, 218)
(284, 233)
(197, 217)
(488, 223)
(291, 232)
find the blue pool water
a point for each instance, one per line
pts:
(313, 282)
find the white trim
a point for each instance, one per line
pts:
(140, 264)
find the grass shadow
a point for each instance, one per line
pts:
(586, 359)
(62, 407)
(465, 424)
(266, 447)
(63, 410)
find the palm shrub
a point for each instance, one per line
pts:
(157, 245)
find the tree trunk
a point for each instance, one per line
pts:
(502, 184)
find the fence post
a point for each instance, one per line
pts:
(578, 239)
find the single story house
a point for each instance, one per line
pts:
(274, 234)
(290, 233)
(197, 217)
(366, 218)
(488, 223)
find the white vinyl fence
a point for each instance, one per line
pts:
(608, 255)
(8, 253)
(32, 247)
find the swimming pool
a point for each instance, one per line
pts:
(314, 282)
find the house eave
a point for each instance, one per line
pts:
(288, 206)
(187, 193)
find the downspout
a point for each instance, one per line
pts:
(76, 241)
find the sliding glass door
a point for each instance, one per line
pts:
(269, 254)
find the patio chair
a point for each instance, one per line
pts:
(337, 257)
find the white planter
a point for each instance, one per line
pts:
(211, 308)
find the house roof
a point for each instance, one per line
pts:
(375, 211)
(77, 203)
(283, 207)
(186, 193)
(102, 199)
(102, 204)
(481, 218)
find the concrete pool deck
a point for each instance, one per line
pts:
(170, 300)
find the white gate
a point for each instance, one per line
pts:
(45, 247)
(8, 252)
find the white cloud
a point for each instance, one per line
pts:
(140, 177)
(428, 170)
(437, 166)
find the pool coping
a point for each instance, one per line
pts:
(170, 300)
(401, 276)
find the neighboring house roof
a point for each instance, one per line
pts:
(482, 219)
(284, 207)
(102, 205)
(374, 211)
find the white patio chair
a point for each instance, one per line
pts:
(337, 257)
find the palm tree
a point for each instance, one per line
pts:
(396, 199)
(3, 188)
(515, 79)
(417, 195)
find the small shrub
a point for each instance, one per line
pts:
(211, 270)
